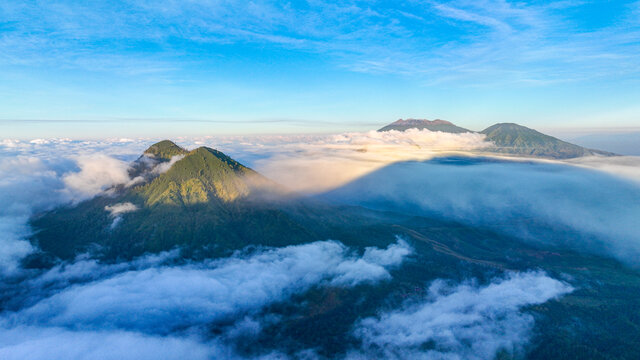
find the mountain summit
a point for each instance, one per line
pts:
(201, 175)
(164, 150)
(431, 125)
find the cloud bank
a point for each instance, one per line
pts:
(40, 181)
(464, 321)
(97, 173)
(623, 166)
(42, 173)
(155, 308)
(317, 163)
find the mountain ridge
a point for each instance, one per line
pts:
(431, 125)
(508, 138)
(512, 138)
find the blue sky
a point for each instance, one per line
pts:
(136, 68)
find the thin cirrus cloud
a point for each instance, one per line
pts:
(530, 43)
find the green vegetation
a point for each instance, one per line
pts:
(202, 202)
(201, 175)
(165, 150)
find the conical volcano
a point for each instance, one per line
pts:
(189, 199)
(202, 175)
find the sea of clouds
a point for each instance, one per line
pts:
(156, 307)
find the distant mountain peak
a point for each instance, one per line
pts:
(415, 122)
(420, 124)
(512, 138)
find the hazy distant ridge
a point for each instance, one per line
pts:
(509, 138)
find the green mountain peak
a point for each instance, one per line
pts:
(165, 150)
(203, 175)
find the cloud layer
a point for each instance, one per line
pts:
(317, 163)
(546, 203)
(40, 181)
(166, 307)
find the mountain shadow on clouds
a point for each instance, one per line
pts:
(544, 204)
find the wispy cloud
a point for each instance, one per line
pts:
(483, 41)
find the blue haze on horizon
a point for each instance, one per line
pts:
(146, 68)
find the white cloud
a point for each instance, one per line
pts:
(170, 297)
(624, 166)
(163, 306)
(37, 176)
(27, 184)
(317, 163)
(120, 208)
(97, 173)
(465, 321)
(89, 309)
(163, 167)
(117, 210)
(49, 343)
